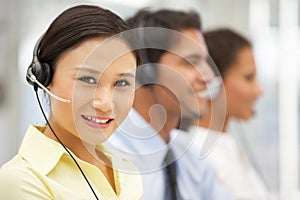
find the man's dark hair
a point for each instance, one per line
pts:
(169, 19)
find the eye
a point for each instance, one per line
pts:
(250, 77)
(194, 62)
(88, 79)
(121, 83)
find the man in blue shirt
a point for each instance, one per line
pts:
(172, 88)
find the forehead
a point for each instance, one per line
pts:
(189, 41)
(98, 53)
(245, 58)
(108, 51)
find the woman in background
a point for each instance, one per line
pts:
(234, 59)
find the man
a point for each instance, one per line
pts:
(172, 83)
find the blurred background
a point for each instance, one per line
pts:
(271, 139)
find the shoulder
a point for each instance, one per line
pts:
(131, 184)
(19, 181)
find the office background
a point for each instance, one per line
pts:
(271, 138)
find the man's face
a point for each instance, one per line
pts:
(183, 73)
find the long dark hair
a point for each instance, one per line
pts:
(74, 26)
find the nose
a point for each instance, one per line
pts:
(258, 89)
(102, 100)
(205, 73)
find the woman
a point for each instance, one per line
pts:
(91, 79)
(234, 59)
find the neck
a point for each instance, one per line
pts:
(83, 151)
(216, 118)
(158, 117)
(69, 140)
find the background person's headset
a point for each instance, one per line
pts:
(40, 75)
(147, 75)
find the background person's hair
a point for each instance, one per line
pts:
(170, 19)
(76, 25)
(223, 47)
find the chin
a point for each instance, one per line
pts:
(95, 137)
(246, 117)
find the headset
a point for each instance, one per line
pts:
(40, 75)
(41, 71)
(146, 75)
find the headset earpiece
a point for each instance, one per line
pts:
(41, 71)
(147, 73)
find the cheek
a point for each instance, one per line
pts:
(185, 76)
(238, 100)
(237, 93)
(234, 96)
(62, 112)
(130, 101)
(122, 104)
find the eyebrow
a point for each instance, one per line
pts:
(193, 56)
(92, 71)
(127, 75)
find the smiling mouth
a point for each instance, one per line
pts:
(95, 120)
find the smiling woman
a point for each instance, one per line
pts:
(92, 91)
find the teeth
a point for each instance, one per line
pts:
(98, 121)
(101, 121)
(203, 94)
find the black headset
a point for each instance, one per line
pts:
(146, 75)
(42, 71)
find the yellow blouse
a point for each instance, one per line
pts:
(42, 169)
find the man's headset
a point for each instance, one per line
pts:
(147, 75)
(41, 74)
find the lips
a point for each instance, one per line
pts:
(97, 121)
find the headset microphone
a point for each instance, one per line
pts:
(213, 88)
(34, 80)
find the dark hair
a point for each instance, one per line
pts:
(223, 46)
(74, 26)
(170, 19)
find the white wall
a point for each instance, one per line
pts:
(9, 122)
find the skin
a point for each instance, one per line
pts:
(94, 87)
(240, 91)
(180, 78)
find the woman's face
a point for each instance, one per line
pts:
(241, 86)
(100, 82)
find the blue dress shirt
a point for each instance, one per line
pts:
(145, 148)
